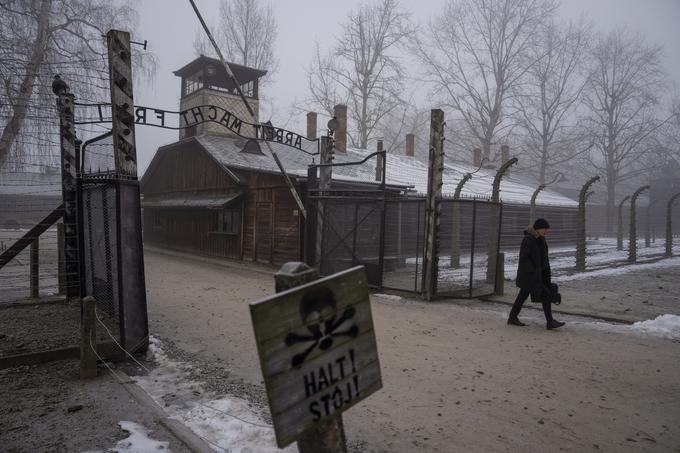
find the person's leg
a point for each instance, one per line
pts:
(519, 302)
(550, 322)
(547, 311)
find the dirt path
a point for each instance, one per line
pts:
(456, 378)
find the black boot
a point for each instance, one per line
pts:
(554, 324)
(514, 321)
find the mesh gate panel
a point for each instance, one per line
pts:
(351, 236)
(404, 238)
(468, 245)
(100, 244)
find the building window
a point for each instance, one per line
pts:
(248, 89)
(192, 83)
(228, 221)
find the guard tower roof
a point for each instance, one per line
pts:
(243, 74)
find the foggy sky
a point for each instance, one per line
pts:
(170, 27)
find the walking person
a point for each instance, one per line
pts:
(533, 274)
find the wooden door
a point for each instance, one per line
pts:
(263, 232)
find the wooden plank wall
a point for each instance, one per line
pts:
(183, 171)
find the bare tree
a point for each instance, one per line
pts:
(622, 99)
(40, 38)
(550, 96)
(361, 70)
(246, 35)
(477, 53)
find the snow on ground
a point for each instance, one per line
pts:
(664, 326)
(138, 441)
(226, 423)
(602, 259)
(620, 270)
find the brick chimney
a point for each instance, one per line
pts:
(311, 125)
(379, 162)
(340, 112)
(505, 154)
(410, 145)
(477, 157)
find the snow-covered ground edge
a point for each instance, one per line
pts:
(137, 442)
(226, 423)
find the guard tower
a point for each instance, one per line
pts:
(206, 82)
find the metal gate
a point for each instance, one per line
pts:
(469, 239)
(111, 260)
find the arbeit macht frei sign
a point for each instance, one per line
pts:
(317, 350)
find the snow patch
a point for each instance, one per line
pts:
(667, 326)
(387, 296)
(227, 423)
(621, 270)
(138, 441)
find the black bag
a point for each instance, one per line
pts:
(549, 292)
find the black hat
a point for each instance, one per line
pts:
(541, 223)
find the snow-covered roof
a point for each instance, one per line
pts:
(403, 171)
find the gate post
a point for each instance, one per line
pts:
(669, 225)
(310, 219)
(130, 250)
(434, 191)
(581, 226)
(122, 102)
(69, 160)
(632, 229)
(329, 436)
(324, 184)
(619, 231)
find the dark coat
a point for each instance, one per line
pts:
(533, 270)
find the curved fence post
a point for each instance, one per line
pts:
(494, 239)
(632, 229)
(648, 228)
(532, 205)
(669, 225)
(581, 226)
(455, 228)
(619, 231)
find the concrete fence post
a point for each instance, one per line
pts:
(581, 224)
(632, 229)
(669, 225)
(619, 231)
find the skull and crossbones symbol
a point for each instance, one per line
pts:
(317, 310)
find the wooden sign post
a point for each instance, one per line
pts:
(317, 351)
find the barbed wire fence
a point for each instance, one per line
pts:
(34, 280)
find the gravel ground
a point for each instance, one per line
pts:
(455, 376)
(47, 408)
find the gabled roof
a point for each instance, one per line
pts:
(402, 171)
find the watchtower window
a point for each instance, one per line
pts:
(193, 83)
(248, 89)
